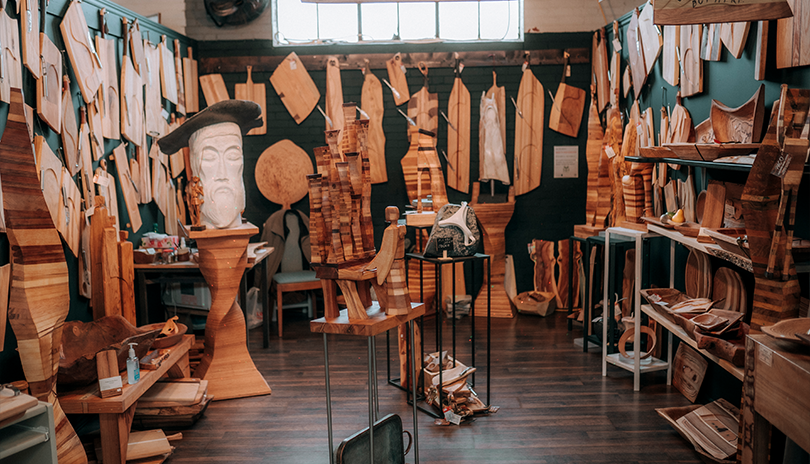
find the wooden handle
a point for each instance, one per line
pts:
(190, 53)
(82, 115)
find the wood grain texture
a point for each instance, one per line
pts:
(39, 298)
(734, 36)
(168, 78)
(69, 216)
(691, 64)
(213, 89)
(688, 13)
(529, 126)
(670, 69)
(128, 189)
(600, 69)
(29, 11)
(458, 137)
(423, 108)
(761, 53)
(180, 81)
(49, 96)
(792, 41)
(371, 101)
(294, 87)
(257, 93)
(132, 106)
(635, 55)
(650, 35)
(49, 170)
(81, 51)
(191, 83)
(5, 280)
(566, 112)
(711, 47)
(742, 124)
(397, 79)
(94, 121)
(12, 62)
(281, 173)
(155, 124)
(593, 152)
(134, 43)
(226, 363)
(109, 95)
(334, 96)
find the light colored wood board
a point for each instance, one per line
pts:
(155, 124)
(491, 152)
(689, 13)
(627, 81)
(334, 95)
(690, 368)
(458, 137)
(5, 280)
(792, 41)
(213, 88)
(81, 51)
(761, 54)
(566, 112)
(179, 81)
(670, 69)
(397, 79)
(49, 171)
(256, 93)
(106, 367)
(529, 126)
(86, 156)
(651, 39)
(70, 134)
(70, 214)
(281, 173)
(168, 75)
(600, 68)
(132, 121)
(147, 444)
(371, 101)
(49, 96)
(106, 299)
(714, 206)
(615, 79)
(145, 181)
(710, 43)
(12, 62)
(691, 65)
(294, 87)
(593, 151)
(742, 124)
(177, 164)
(107, 189)
(191, 83)
(159, 177)
(126, 272)
(128, 187)
(30, 36)
(110, 122)
(734, 36)
(423, 108)
(635, 55)
(95, 124)
(136, 46)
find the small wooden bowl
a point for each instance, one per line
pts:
(168, 341)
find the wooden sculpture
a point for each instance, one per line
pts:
(545, 279)
(398, 82)
(614, 165)
(11, 64)
(529, 111)
(195, 197)
(564, 264)
(670, 69)
(294, 86)
(250, 91)
(742, 124)
(491, 144)
(494, 217)
(39, 297)
(458, 135)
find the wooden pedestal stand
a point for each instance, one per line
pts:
(226, 363)
(493, 218)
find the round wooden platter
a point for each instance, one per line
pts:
(281, 173)
(698, 275)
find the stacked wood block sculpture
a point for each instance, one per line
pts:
(341, 231)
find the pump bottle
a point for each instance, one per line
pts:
(133, 367)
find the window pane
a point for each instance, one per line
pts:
(338, 21)
(379, 20)
(296, 21)
(458, 20)
(417, 20)
(499, 20)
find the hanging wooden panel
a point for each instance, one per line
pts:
(11, 63)
(86, 157)
(734, 36)
(294, 87)
(180, 82)
(615, 74)
(168, 78)
(686, 12)
(529, 125)
(136, 46)
(761, 54)
(636, 55)
(83, 57)
(49, 170)
(334, 95)
(70, 213)
(155, 123)
(256, 93)
(397, 79)
(96, 137)
(371, 101)
(670, 70)
(213, 88)
(131, 103)
(127, 188)
(600, 69)
(792, 37)
(70, 130)
(458, 137)
(650, 35)
(566, 112)
(191, 83)
(111, 114)
(49, 97)
(691, 65)
(29, 15)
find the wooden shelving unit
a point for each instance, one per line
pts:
(31, 438)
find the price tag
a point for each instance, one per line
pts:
(403, 68)
(568, 71)
(765, 355)
(781, 166)
(609, 152)
(293, 65)
(617, 45)
(164, 114)
(110, 383)
(460, 67)
(103, 181)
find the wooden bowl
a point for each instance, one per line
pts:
(709, 321)
(166, 341)
(787, 329)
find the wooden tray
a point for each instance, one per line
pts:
(671, 415)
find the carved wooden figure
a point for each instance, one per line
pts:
(195, 200)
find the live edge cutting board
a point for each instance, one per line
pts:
(295, 87)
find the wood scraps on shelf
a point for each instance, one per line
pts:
(529, 126)
(293, 85)
(371, 101)
(458, 134)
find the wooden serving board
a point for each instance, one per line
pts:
(81, 51)
(710, 43)
(397, 79)
(180, 82)
(566, 112)
(127, 187)
(131, 103)
(96, 136)
(691, 65)
(11, 63)
(651, 39)
(70, 132)
(423, 108)
(792, 41)
(593, 150)
(155, 123)
(670, 70)
(111, 116)
(70, 213)
(600, 69)
(136, 46)
(49, 170)
(635, 55)
(529, 125)
(168, 75)
(294, 86)
(615, 72)
(30, 35)
(734, 36)
(191, 83)
(761, 54)
(710, 12)
(334, 95)
(458, 137)
(281, 173)
(213, 88)
(49, 96)
(371, 101)
(256, 93)
(86, 160)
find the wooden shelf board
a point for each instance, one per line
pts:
(628, 364)
(377, 323)
(692, 242)
(18, 438)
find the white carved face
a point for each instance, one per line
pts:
(216, 157)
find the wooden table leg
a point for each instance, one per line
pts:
(115, 435)
(265, 299)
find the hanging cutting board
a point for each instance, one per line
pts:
(70, 213)
(11, 63)
(127, 187)
(499, 94)
(179, 81)
(635, 55)
(96, 137)
(83, 58)
(458, 136)
(70, 131)
(159, 177)
(49, 97)
(670, 70)
(615, 68)
(49, 169)
(151, 78)
(334, 95)
(423, 106)
(256, 93)
(214, 90)
(30, 21)
(593, 150)
(294, 87)
(191, 83)
(136, 46)
(710, 43)
(110, 117)
(529, 125)
(761, 54)
(168, 78)
(792, 38)
(86, 157)
(691, 64)
(281, 173)
(397, 79)
(131, 103)
(371, 101)
(650, 35)
(566, 112)
(170, 220)
(734, 36)
(105, 183)
(600, 69)
(145, 179)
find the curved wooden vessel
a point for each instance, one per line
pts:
(742, 124)
(39, 299)
(458, 137)
(371, 102)
(529, 122)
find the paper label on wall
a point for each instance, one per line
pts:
(566, 162)
(765, 355)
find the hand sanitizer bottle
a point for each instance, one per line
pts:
(133, 367)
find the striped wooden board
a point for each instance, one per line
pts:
(423, 108)
(529, 126)
(458, 137)
(593, 152)
(371, 101)
(294, 87)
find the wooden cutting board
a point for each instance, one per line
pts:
(397, 79)
(174, 392)
(110, 117)
(256, 93)
(710, 43)
(698, 277)
(529, 126)
(281, 173)
(153, 105)
(86, 156)
(371, 101)
(30, 36)
(600, 69)
(135, 40)
(734, 36)
(81, 50)
(615, 70)
(159, 177)
(105, 183)
(566, 112)
(593, 150)
(635, 54)
(179, 81)
(792, 38)
(651, 39)
(168, 75)
(761, 54)
(710, 12)
(131, 103)
(334, 95)
(670, 69)
(49, 169)
(146, 444)
(49, 95)
(458, 137)
(70, 131)
(11, 62)
(145, 182)
(294, 86)
(191, 83)
(70, 213)
(127, 184)
(213, 88)
(96, 137)
(11, 405)
(691, 64)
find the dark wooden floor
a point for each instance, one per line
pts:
(555, 406)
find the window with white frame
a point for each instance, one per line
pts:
(299, 23)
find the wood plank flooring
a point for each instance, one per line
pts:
(555, 406)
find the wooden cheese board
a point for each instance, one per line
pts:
(458, 136)
(294, 87)
(84, 59)
(49, 170)
(529, 125)
(128, 187)
(213, 88)
(192, 83)
(70, 213)
(168, 75)
(179, 80)
(49, 97)
(397, 80)
(135, 40)
(281, 173)
(371, 101)
(11, 63)
(691, 64)
(256, 93)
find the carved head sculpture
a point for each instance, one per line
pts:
(214, 138)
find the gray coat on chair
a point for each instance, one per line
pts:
(275, 235)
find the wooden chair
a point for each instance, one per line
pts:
(293, 277)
